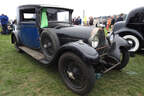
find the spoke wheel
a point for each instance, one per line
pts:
(77, 76)
(73, 74)
(49, 44)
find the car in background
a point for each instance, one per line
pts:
(132, 29)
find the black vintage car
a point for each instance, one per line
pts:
(46, 33)
(132, 29)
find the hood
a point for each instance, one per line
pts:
(75, 32)
(119, 25)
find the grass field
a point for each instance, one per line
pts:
(21, 75)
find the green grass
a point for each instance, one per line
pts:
(0, 28)
(21, 75)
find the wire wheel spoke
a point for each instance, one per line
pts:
(74, 74)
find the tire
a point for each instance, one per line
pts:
(124, 60)
(49, 44)
(74, 71)
(16, 44)
(134, 41)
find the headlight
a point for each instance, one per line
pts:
(94, 38)
(94, 44)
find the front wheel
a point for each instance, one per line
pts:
(77, 76)
(124, 59)
(133, 41)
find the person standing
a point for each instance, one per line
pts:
(73, 20)
(91, 20)
(78, 21)
(96, 22)
(85, 22)
(4, 21)
(112, 22)
(104, 22)
(120, 18)
(108, 23)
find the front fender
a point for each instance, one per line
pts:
(88, 54)
(118, 43)
(121, 42)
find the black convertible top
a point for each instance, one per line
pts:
(42, 6)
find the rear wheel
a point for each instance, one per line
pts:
(77, 76)
(16, 44)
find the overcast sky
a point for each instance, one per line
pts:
(92, 7)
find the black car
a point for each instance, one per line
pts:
(46, 33)
(132, 29)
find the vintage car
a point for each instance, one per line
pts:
(132, 29)
(46, 33)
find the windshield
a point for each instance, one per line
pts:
(52, 17)
(59, 15)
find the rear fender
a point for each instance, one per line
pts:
(12, 38)
(88, 54)
(14, 34)
(127, 31)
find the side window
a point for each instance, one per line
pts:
(27, 15)
(138, 17)
(52, 14)
(142, 16)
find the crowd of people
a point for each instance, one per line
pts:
(78, 21)
(108, 21)
(111, 20)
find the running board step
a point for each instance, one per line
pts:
(44, 61)
(35, 54)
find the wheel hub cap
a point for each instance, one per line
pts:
(70, 74)
(130, 42)
(45, 46)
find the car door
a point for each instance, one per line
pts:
(28, 28)
(136, 21)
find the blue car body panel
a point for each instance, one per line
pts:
(29, 35)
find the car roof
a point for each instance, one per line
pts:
(42, 6)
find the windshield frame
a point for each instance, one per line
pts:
(69, 10)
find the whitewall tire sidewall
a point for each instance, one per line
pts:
(135, 40)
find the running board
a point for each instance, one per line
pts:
(35, 54)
